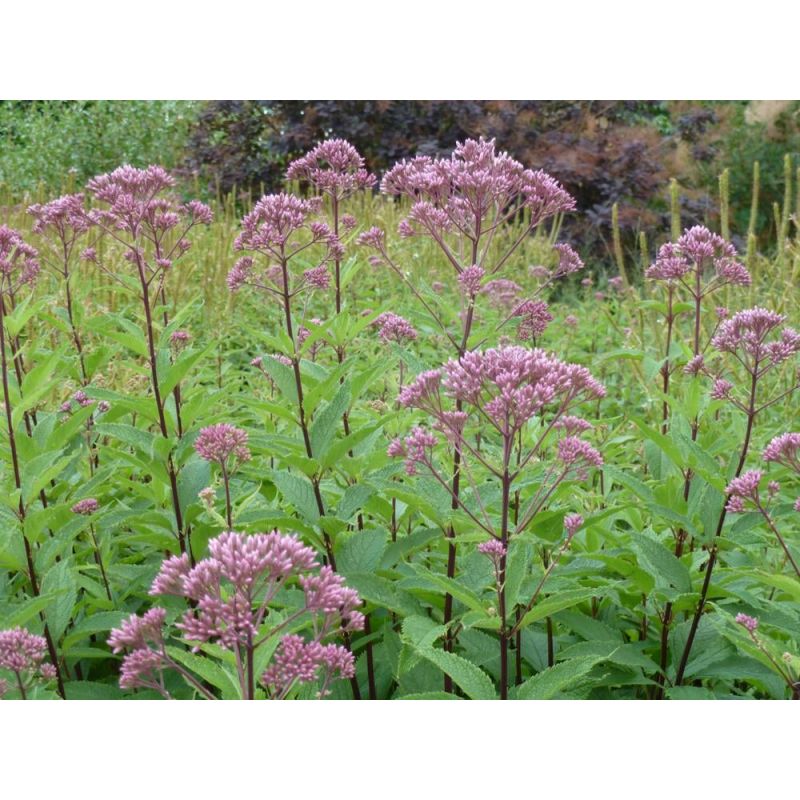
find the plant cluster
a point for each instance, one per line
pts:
(402, 446)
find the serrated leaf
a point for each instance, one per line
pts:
(547, 684)
(661, 563)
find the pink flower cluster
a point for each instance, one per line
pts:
(275, 218)
(535, 319)
(785, 450)
(333, 166)
(505, 386)
(86, 507)
(747, 622)
(745, 487)
(229, 593)
(220, 442)
(502, 293)
(22, 653)
(298, 661)
(137, 198)
(694, 251)
(19, 261)
(65, 216)
(394, 328)
(746, 334)
(473, 188)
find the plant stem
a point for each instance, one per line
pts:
(712, 559)
(185, 545)
(51, 648)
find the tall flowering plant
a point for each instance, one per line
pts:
(62, 226)
(19, 270)
(465, 205)
(336, 170)
(690, 270)
(239, 603)
(22, 655)
(499, 392)
(753, 344)
(277, 231)
(135, 208)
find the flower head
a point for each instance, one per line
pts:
(394, 328)
(19, 262)
(221, 442)
(85, 507)
(750, 623)
(333, 166)
(535, 319)
(785, 450)
(572, 524)
(20, 650)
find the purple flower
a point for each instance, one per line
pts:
(394, 328)
(695, 365)
(219, 442)
(137, 632)
(19, 262)
(470, 280)
(745, 487)
(535, 319)
(494, 549)
(20, 650)
(333, 166)
(275, 218)
(569, 261)
(82, 399)
(785, 450)
(750, 623)
(502, 293)
(465, 191)
(747, 332)
(86, 507)
(374, 237)
(572, 524)
(318, 277)
(721, 389)
(180, 338)
(572, 425)
(577, 454)
(65, 217)
(298, 662)
(240, 273)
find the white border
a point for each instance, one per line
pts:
(404, 750)
(409, 49)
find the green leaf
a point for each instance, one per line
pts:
(328, 420)
(558, 602)
(177, 371)
(454, 588)
(208, 670)
(661, 563)
(60, 583)
(353, 500)
(26, 611)
(554, 680)
(472, 680)
(361, 552)
(140, 440)
(299, 492)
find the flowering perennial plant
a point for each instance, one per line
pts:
(62, 225)
(137, 211)
(22, 653)
(237, 600)
(497, 393)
